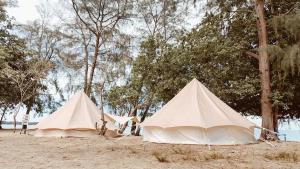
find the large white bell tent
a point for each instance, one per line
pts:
(197, 116)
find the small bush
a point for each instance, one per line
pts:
(160, 157)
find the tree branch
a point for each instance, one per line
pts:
(252, 55)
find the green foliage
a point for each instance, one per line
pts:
(138, 90)
(215, 52)
(21, 70)
(286, 52)
(12, 55)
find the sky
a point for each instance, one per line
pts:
(25, 11)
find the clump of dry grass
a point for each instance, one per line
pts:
(160, 157)
(214, 156)
(190, 157)
(181, 151)
(283, 156)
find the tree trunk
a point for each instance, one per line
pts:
(86, 62)
(123, 128)
(137, 133)
(126, 124)
(133, 126)
(96, 53)
(2, 117)
(264, 68)
(29, 106)
(15, 116)
(275, 118)
(103, 127)
(164, 20)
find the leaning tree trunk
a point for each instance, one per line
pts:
(133, 126)
(137, 133)
(126, 124)
(95, 57)
(121, 131)
(264, 68)
(2, 117)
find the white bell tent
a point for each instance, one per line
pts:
(197, 116)
(77, 118)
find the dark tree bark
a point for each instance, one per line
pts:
(123, 128)
(126, 124)
(133, 126)
(137, 133)
(95, 57)
(275, 118)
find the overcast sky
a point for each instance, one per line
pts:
(26, 11)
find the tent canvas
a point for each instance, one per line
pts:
(78, 118)
(197, 116)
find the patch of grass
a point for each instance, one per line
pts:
(214, 156)
(181, 151)
(189, 157)
(160, 157)
(283, 156)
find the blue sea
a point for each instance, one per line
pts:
(10, 126)
(291, 135)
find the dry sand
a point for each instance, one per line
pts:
(26, 151)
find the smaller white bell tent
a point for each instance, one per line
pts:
(77, 118)
(197, 116)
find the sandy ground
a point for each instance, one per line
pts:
(26, 151)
